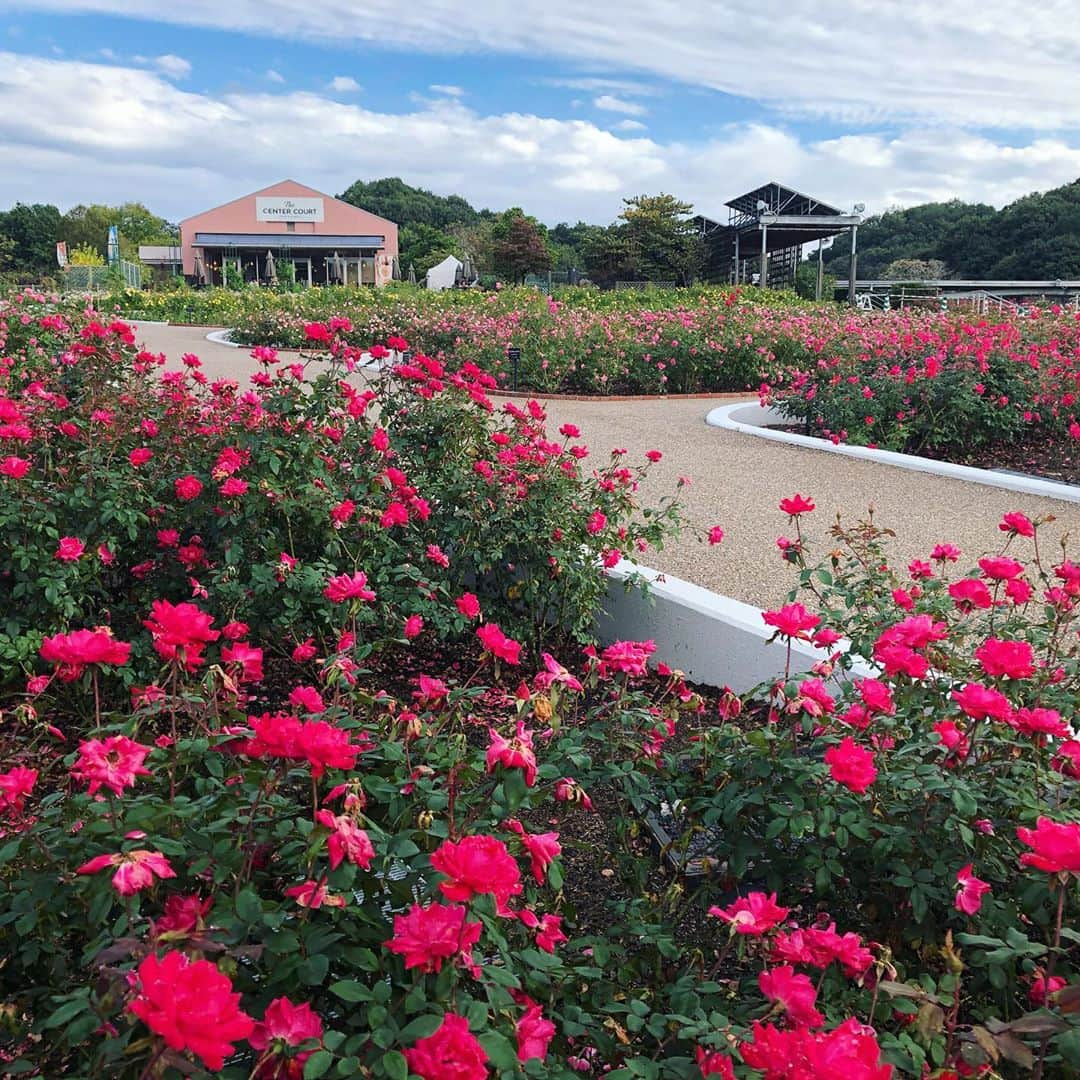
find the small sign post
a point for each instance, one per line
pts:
(513, 354)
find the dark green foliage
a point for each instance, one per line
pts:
(404, 204)
(34, 229)
(1037, 237)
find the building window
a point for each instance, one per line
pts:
(290, 226)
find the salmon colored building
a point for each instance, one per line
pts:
(324, 240)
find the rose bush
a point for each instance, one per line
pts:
(123, 485)
(260, 831)
(903, 380)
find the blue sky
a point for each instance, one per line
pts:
(561, 108)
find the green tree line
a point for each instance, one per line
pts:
(1035, 237)
(652, 239)
(29, 233)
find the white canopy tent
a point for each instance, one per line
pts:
(443, 275)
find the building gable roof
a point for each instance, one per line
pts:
(294, 188)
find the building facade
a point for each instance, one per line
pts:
(288, 229)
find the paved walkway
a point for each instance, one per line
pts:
(738, 480)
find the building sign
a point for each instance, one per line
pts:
(276, 208)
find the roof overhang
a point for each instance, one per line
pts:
(286, 240)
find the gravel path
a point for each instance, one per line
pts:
(738, 480)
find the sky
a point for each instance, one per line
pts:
(563, 108)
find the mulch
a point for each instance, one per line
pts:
(1048, 457)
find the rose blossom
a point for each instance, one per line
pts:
(450, 1053)
(191, 1004)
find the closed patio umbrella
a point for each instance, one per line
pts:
(271, 267)
(412, 274)
(200, 270)
(395, 269)
(337, 264)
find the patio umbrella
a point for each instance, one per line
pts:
(395, 269)
(271, 267)
(338, 268)
(412, 274)
(200, 270)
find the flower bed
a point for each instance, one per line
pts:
(308, 767)
(914, 382)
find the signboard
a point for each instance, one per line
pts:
(284, 208)
(61, 253)
(113, 247)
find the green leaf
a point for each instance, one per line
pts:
(248, 905)
(318, 1064)
(394, 1065)
(1068, 1046)
(420, 1028)
(66, 1012)
(499, 1050)
(350, 990)
(313, 970)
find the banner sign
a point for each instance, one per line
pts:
(113, 245)
(61, 253)
(269, 208)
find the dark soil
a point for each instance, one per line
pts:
(1049, 457)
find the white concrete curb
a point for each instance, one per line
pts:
(147, 322)
(710, 637)
(749, 418)
(221, 337)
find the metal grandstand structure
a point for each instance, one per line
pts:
(767, 228)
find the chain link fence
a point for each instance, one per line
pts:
(94, 278)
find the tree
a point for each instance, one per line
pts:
(806, 281)
(85, 255)
(34, 229)
(915, 270)
(1035, 237)
(567, 245)
(423, 246)
(611, 254)
(399, 202)
(7, 253)
(667, 240)
(519, 248)
(89, 226)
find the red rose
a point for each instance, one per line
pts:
(191, 1004)
(188, 488)
(451, 1053)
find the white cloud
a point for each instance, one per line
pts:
(175, 67)
(85, 132)
(610, 103)
(594, 84)
(273, 76)
(630, 125)
(984, 65)
(344, 84)
(448, 91)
